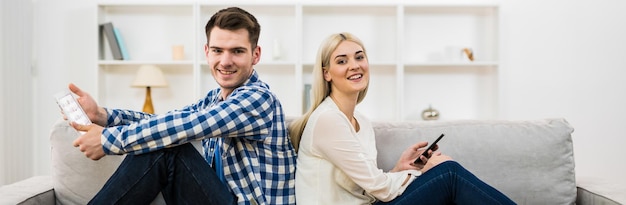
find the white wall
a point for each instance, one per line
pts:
(566, 59)
(559, 59)
(64, 53)
(16, 90)
(2, 120)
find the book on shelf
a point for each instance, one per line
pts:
(121, 44)
(306, 101)
(109, 32)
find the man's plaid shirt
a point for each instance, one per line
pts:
(259, 160)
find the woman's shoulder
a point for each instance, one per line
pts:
(327, 110)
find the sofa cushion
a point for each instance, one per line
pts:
(532, 162)
(76, 178)
(35, 190)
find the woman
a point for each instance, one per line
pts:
(337, 152)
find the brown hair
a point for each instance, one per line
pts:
(234, 18)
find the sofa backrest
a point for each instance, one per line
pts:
(532, 162)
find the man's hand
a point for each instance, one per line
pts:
(89, 143)
(95, 113)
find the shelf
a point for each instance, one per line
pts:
(414, 49)
(458, 92)
(454, 64)
(374, 25)
(442, 32)
(278, 23)
(145, 3)
(149, 31)
(115, 88)
(133, 62)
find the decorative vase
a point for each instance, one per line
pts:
(430, 114)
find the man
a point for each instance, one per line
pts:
(241, 125)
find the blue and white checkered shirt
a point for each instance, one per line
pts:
(259, 160)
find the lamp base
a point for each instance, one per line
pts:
(147, 105)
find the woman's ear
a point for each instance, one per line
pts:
(326, 75)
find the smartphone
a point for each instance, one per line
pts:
(425, 153)
(71, 109)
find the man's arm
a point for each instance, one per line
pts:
(247, 113)
(116, 117)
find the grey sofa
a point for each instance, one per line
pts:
(531, 161)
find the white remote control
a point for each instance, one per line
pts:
(71, 108)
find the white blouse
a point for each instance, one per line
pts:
(337, 165)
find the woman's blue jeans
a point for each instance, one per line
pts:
(449, 183)
(180, 173)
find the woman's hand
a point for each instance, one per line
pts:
(408, 156)
(434, 160)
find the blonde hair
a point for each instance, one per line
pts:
(321, 88)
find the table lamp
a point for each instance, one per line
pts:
(149, 76)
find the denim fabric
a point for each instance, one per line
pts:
(180, 173)
(449, 183)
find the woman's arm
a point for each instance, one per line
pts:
(336, 141)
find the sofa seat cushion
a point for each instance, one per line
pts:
(532, 162)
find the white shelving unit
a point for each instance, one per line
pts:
(414, 51)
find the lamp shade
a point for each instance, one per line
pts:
(149, 76)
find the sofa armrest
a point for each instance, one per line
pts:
(586, 197)
(34, 190)
(600, 191)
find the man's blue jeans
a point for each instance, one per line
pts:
(449, 183)
(180, 173)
